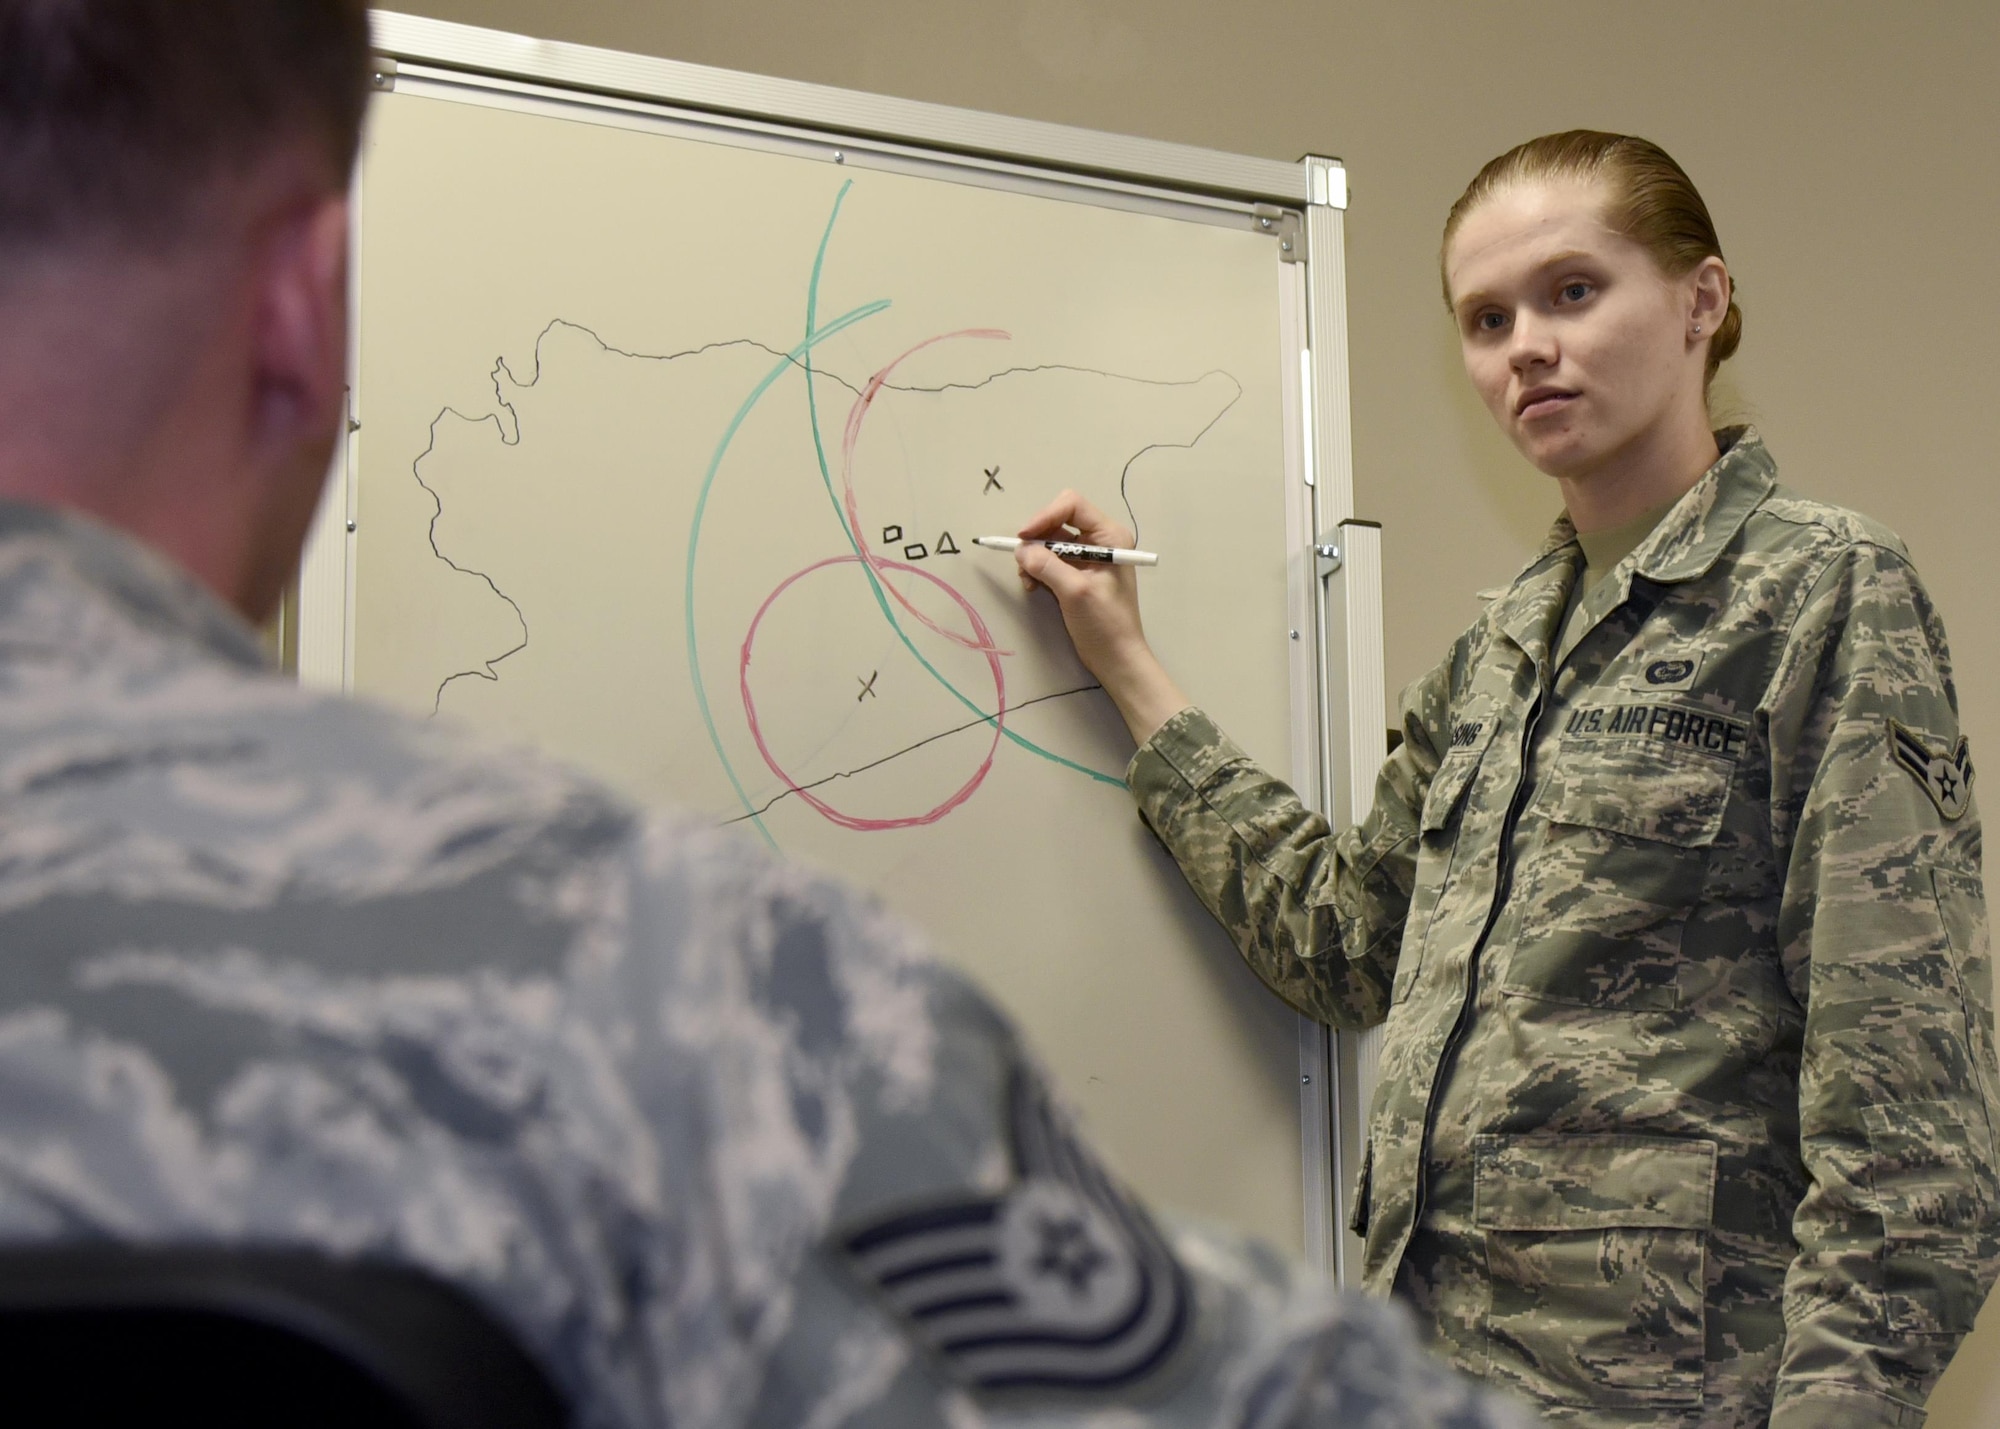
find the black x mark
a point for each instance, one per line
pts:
(992, 480)
(867, 686)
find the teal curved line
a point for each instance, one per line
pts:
(854, 540)
(802, 356)
(812, 401)
(845, 320)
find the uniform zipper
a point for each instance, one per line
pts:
(1503, 888)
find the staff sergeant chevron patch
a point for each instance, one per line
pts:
(1060, 1282)
(1945, 774)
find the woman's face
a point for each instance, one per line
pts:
(1579, 345)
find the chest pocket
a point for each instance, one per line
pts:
(1437, 826)
(1616, 872)
(1446, 795)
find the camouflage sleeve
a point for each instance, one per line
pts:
(1318, 916)
(975, 1263)
(1882, 929)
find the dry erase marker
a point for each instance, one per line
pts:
(1072, 550)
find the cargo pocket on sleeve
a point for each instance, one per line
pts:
(1961, 900)
(1596, 1250)
(1929, 1183)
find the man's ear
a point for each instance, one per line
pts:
(300, 337)
(298, 388)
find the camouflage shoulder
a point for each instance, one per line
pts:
(351, 790)
(1788, 519)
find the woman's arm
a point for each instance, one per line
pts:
(1100, 607)
(1318, 916)
(1882, 930)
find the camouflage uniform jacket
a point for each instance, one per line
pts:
(1686, 1110)
(706, 1131)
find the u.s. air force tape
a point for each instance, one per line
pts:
(1061, 1282)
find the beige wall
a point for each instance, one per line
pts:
(1849, 151)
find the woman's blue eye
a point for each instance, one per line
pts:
(1576, 292)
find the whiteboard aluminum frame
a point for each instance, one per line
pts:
(325, 605)
(490, 67)
(1319, 1144)
(1352, 684)
(850, 113)
(520, 96)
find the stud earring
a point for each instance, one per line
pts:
(1697, 329)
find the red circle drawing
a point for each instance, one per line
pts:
(982, 640)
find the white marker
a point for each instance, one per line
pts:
(1073, 550)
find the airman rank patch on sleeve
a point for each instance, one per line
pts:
(1946, 775)
(1060, 1283)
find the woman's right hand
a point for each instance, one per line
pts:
(1100, 608)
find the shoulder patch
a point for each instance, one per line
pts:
(1946, 774)
(1060, 1283)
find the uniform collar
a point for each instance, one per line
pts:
(61, 573)
(1691, 537)
(1685, 546)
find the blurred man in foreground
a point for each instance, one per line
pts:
(709, 1134)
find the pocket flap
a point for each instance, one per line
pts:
(1932, 1184)
(1643, 789)
(1924, 1168)
(1562, 1183)
(1449, 784)
(1961, 900)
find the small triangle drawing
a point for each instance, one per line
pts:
(946, 546)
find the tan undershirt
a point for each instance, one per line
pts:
(1603, 550)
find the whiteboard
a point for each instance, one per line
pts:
(668, 446)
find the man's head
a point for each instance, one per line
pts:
(172, 268)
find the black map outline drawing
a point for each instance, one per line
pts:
(508, 428)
